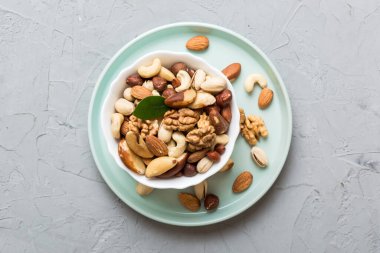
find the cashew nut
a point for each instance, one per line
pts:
(214, 84)
(155, 93)
(204, 165)
(151, 70)
(138, 146)
(185, 80)
(127, 94)
(222, 139)
(116, 121)
(166, 74)
(164, 134)
(179, 149)
(202, 99)
(124, 106)
(148, 84)
(198, 78)
(252, 79)
(143, 190)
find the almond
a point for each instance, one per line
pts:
(242, 182)
(189, 201)
(156, 146)
(265, 98)
(196, 156)
(197, 43)
(140, 92)
(232, 71)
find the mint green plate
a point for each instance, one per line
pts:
(225, 47)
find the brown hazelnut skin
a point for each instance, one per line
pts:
(168, 92)
(189, 170)
(176, 67)
(211, 202)
(213, 156)
(224, 98)
(220, 148)
(134, 79)
(159, 83)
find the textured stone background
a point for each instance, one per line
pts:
(52, 199)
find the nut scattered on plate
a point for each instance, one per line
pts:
(197, 43)
(242, 182)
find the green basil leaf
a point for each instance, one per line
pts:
(151, 108)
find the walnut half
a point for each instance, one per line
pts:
(183, 120)
(252, 127)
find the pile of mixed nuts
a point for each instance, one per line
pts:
(173, 121)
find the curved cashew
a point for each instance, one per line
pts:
(185, 80)
(202, 99)
(143, 190)
(116, 120)
(155, 93)
(138, 146)
(124, 106)
(214, 84)
(148, 84)
(252, 79)
(198, 78)
(166, 74)
(127, 94)
(179, 149)
(151, 70)
(164, 134)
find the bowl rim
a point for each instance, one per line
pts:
(178, 183)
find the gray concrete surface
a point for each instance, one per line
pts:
(52, 199)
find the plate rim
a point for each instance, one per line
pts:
(136, 207)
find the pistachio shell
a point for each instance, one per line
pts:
(259, 157)
(200, 190)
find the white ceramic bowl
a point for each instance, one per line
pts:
(116, 91)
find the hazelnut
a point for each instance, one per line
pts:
(189, 170)
(159, 83)
(213, 156)
(224, 98)
(220, 148)
(211, 202)
(168, 92)
(176, 67)
(134, 79)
